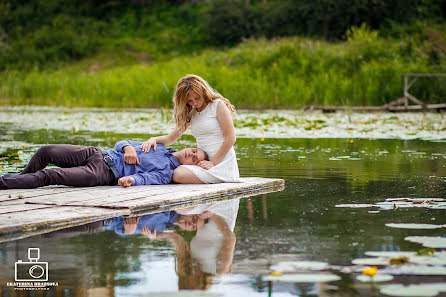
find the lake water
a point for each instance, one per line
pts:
(300, 223)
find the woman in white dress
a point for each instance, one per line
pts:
(198, 106)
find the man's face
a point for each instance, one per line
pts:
(191, 156)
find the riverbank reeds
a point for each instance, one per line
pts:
(366, 69)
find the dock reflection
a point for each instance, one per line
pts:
(96, 258)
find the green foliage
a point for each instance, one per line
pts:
(51, 33)
(228, 22)
(121, 53)
(366, 69)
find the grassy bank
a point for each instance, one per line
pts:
(365, 69)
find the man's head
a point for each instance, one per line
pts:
(190, 156)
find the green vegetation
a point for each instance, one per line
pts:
(121, 54)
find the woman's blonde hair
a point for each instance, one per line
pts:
(190, 275)
(185, 85)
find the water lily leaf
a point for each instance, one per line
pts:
(426, 252)
(414, 226)
(428, 241)
(304, 278)
(371, 261)
(399, 260)
(432, 289)
(358, 205)
(390, 254)
(430, 258)
(375, 278)
(416, 199)
(293, 266)
(414, 269)
(183, 293)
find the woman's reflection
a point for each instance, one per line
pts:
(211, 250)
(209, 253)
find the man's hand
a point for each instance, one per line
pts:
(206, 164)
(130, 225)
(126, 181)
(130, 155)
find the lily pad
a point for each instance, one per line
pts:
(293, 266)
(428, 241)
(353, 205)
(437, 258)
(432, 289)
(183, 293)
(304, 278)
(414, 226)
(371, 261)
(376, 278)
(414, 269)
(416, 199)
(390, 254)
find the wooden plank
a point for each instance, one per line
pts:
(100, 196)
(36, 221)
(214, 199)
(52, 208)
(20, 207)
(7, 195)
(248, 188)
(386, 107)
(157, 195)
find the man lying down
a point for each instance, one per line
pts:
(87, 166)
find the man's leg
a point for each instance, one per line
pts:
(92, 172)
(62, 155)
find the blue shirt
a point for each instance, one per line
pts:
(156, 167)
(158, 221)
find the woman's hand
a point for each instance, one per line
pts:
(130, 155)
(148, 144)
(206, 215)
(206, 164)
(146, 231)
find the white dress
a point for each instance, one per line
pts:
(207, 131)
(208, 241)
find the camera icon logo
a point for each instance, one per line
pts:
(32, 270)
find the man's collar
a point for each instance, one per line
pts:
(173, 161)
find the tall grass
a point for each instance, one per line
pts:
(366, 69)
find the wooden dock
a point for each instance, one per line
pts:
(25, 213)
(400, 104)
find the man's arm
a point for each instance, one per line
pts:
(146, 178)
(128, 148)
(119, 146)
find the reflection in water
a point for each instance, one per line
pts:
(97, 258)
(300, 223)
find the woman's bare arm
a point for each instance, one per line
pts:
(164, 139)
(226, 253)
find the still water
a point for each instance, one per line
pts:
(238, 241)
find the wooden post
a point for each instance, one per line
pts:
(405, 91)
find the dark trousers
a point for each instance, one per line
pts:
(80, 166)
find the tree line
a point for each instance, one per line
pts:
(35, 32)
